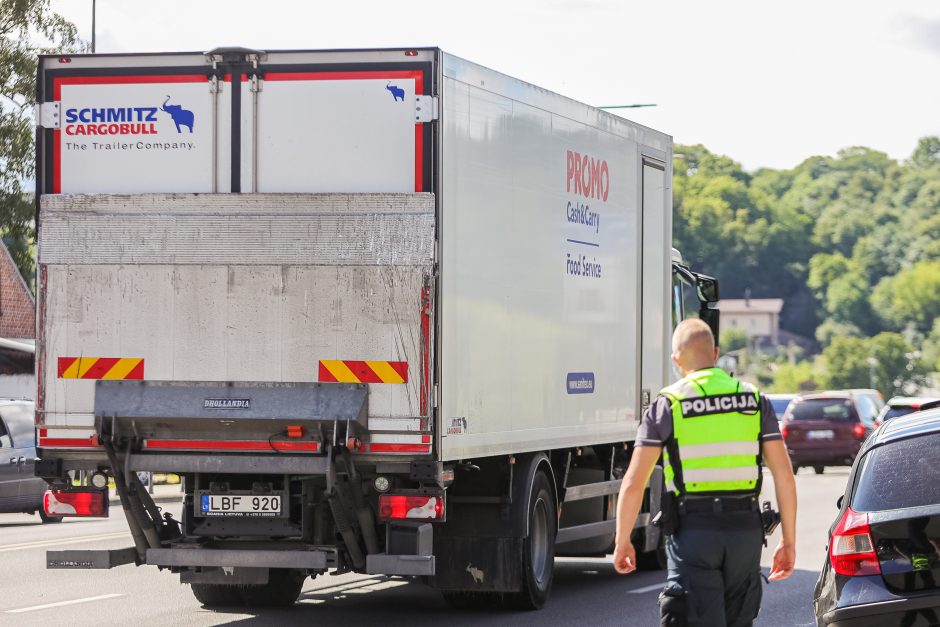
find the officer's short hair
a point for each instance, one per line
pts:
(692, 332)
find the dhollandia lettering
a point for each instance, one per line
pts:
(227, 403)
(723, 404)
(590, 177)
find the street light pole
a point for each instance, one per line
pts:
(93, 26)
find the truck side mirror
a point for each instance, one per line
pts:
(707, 288)
(711, 318)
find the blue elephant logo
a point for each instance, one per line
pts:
(397, 92)
(181, 116)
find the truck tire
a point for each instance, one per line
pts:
(538, 548)
(649, 560)
(283, 588)
(216, 595)
(463, 600)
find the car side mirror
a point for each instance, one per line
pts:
(839, 501)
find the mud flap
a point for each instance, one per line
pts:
(478, 564)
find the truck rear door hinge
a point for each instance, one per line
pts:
(425, 109)
(48, 114)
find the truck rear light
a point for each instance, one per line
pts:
(397, 506)
(859, 431)
(92, 503)
(851, 550)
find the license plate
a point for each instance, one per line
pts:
(240, 505)
(825, 434)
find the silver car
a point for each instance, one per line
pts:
(20, 490)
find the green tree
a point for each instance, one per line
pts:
(894, 364)
(930, 353)
(841, 239)
(794, 378)
(846, 363)
(27, 28)
(927, 153)
(910, 298)
(732, 339)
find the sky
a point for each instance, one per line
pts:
(768, 84)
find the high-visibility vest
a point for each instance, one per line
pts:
(716, 429)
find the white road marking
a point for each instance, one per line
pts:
(35, 608)
(37, 545)
(658, 586)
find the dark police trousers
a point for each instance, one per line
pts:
(716, 559)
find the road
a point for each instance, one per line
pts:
(584, 589)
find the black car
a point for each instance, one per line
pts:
(883, 561)
(20, 490)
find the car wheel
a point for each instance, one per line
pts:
(796, 468)
(819, 469)
(47, 519)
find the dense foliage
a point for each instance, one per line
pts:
(851, 243)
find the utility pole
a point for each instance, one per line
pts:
(93, 26)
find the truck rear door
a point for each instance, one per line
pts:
(324, 273)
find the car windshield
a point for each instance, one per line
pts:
(885, 481)
(823, 409)
(780, 405)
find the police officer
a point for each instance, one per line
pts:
(712, 432)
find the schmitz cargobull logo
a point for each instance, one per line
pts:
(129, 120)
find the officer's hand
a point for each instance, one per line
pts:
(783, 563)
(624, 558)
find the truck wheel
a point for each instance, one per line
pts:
(652, 560)
(462, 600)
(216, 595)
(283, 588)
(538, 549)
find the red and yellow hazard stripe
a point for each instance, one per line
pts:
(101, 368)
(348, 371)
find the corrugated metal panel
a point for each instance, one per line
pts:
(232, 323)
(265, 229)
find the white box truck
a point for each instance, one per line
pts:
(384, 311)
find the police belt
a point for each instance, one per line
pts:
(717, 504)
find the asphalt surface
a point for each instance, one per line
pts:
(585, 590)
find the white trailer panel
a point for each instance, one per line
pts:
(541, 263)
(243, 291)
